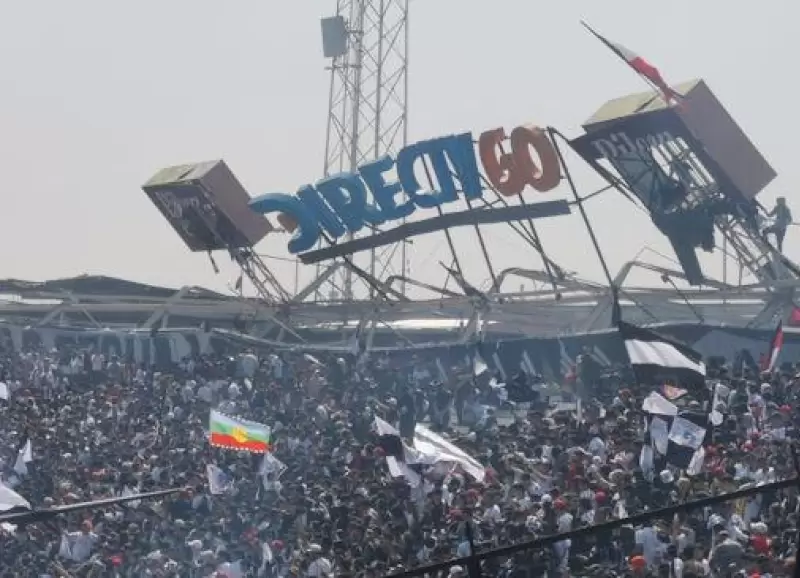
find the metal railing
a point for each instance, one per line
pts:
(473, 564)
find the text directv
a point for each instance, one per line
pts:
(347, 202)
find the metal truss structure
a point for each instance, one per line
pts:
(774, 275)
(690, 195)
(367, 116)
(367, 119)
(577, 306)
(560, 303)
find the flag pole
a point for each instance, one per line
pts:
(652, 85)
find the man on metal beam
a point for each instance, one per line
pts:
(782, 218)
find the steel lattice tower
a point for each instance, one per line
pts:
(368, 111)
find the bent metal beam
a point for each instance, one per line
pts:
(444, 221)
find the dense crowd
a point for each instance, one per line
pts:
(328, 506)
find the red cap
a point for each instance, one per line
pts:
(638, 562)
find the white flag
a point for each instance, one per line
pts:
(479, 366)
(696, 465)
(218, 481)
(24, 457)
(434, 448)
(4, 393)
(687, 434)
(657, 404)
(719, 405)
(659, 434)
(429, 449)
(272, 465)
(10, 499)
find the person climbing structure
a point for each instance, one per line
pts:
(782, 218)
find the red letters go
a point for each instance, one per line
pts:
(509, 173)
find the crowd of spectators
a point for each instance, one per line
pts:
(102, 427)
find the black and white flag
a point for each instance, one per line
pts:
(677, 436)
(655, 357)
(428, 449)
(685, 438)
(719, 404)
(392, 444)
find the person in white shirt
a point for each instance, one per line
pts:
(652, 548)
(205, 393)
(276, 366)
(493, 514)
(463, 549)
(564, 522)
(597, 447)
(187, 391)
(675, 563)
(81, 543)
(248, 364)
(320, 567)
(98, 362)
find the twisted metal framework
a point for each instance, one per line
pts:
(576, 306)
(367, 116)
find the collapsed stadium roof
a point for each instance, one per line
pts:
(97, 285)
(577, 306)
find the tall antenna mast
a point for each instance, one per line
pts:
(367, 42)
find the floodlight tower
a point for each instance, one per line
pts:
(367, 42)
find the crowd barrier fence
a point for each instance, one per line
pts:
(472, 564)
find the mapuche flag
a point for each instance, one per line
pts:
(238, 434)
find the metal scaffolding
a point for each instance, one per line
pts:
(367, 117)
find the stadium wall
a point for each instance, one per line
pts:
(550, 356)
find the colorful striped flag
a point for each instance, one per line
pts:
(238, 434)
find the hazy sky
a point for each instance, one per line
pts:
(98, 95)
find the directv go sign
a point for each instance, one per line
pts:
(347, 202)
